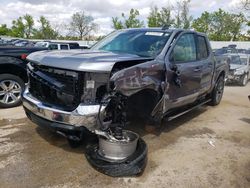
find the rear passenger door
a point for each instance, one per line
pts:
(207, 63)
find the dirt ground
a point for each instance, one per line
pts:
(208, 147)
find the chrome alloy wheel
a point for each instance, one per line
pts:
(10, 91)
(219, 90)
(245, 79)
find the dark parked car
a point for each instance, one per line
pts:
(147, 73)
(13, 74)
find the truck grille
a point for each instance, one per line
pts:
(56, 87)
(231, 72)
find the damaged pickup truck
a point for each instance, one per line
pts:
(151, 73)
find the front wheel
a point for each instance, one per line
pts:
(217, 92)
(244, 80)
(11, 88)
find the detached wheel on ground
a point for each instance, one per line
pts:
(244, 80)
(217, 92)
(11, 88)
(131, 166)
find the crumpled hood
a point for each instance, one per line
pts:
(81, 60)
(235, 66)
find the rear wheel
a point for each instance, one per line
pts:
(244, 80)
(11, 88)
(217, 92)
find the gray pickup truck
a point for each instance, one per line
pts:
(144, 73)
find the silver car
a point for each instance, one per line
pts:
(239, 71)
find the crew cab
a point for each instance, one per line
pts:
(13, 75)
(150, 73)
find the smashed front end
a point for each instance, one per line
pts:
(64, 99)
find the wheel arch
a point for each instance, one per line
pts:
(8, 68)
(142, 103)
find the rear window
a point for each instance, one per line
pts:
(202, 48)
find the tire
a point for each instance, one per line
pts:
(74, 143)
(11, 88)
(217, 92)
(133, 165)
(244, 80)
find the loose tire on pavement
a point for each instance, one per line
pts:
(133, 165)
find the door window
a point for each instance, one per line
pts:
(185, 49)
(202, 52)
(64, 47)
(53, 47)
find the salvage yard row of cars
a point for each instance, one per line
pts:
(98, 91)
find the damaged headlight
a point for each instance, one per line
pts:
(239, 72)
(94, 87)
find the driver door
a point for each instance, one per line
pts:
(184, 72)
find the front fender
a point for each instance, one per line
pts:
(148, 75)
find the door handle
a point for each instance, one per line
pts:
(197, 69)
(210, 64)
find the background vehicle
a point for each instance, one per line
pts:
(13, 74)
(58, 45)
(239, 68)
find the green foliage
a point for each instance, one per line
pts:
(131, 22)
(28, 25)
(117, 24)
(160, 18)
(4, 30)
(45, 30)
(18, 28)
(220, 25)
(202, 24)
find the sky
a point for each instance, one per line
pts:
(59, 12)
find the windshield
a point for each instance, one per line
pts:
(243, 60)
(236, 60)
(142, 43)
(41, 44)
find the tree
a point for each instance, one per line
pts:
(29, 23)
(82, 24)
(117, 24)
(245, 4)
(45, 31)
(18, 28)
(161, 18)
(4, 30)
(203, 23)
(131, 22)
(235, 28)
(220, 25)
(183, 19)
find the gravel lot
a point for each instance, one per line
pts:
(208, 147)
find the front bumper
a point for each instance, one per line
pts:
(234, 78)
(83, 116)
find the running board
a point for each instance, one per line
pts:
(186, 111)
